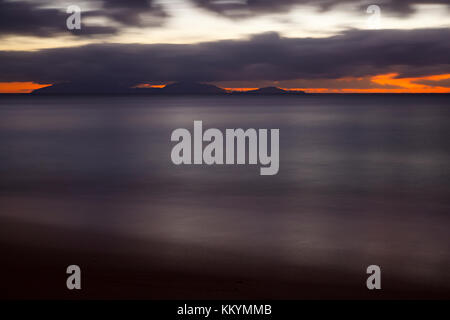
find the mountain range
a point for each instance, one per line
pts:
(176, 88)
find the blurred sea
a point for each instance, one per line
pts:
(364, 179)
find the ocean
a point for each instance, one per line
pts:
(363, 179)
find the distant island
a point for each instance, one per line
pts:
(177, 88)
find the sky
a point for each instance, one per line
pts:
(344, 46)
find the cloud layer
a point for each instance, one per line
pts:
(243, 8)
(268, 56)
(44, 18)
(40, 18)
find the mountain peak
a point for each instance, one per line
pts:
(273, 91)
(186, 87)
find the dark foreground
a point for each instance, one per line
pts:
(36, 270)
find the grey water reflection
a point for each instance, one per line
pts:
(363, 179)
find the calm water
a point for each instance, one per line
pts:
(363, 179)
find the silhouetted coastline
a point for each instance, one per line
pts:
(176, 88)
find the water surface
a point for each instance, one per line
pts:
(363, 179)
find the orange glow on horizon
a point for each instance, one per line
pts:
(20, 87)
(310, 90)
(405, 85)
(410, 85)
(394, 85)
(148, 85)
(240, 89)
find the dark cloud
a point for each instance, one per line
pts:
(244, 8)
(132, 12)
(41, 18)
(26, 18)
(355, 53)
(439, 83)
(38, 19)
